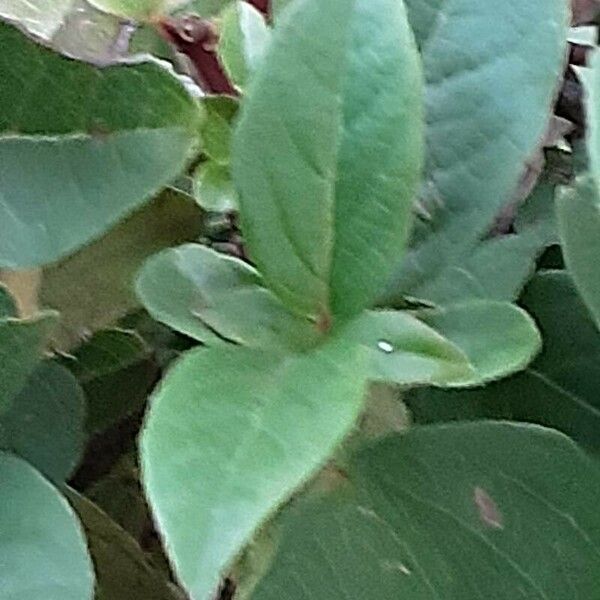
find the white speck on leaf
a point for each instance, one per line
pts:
(385, 346)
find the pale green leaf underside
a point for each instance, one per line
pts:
(41, 17)
(58, 193)
(21, 344)
(231, 433)
(43, 554)
(328, 151)
(578, 211)
(215, 299)
(486, 510)
(81, 146)
(590, 78)
(479, 131)
(45, 423)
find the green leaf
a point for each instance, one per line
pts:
(559, 389)
(403, 350)
(206, 8)
(216, 127)
(213, 188)
(117, 371)
(578, 211)
(135, 121)
(230, 435)
(327, 169)
(487, 510)
(495, 268)
(480, 133)
(8, 306)
(122, 570)
(40, 17)
(45, 423)
(94, 288)
(277, 7)
(142, 10)
(21, 345)
(243, 39)
(497, 337)
(590, 78)
(216, 298)
(43, 554)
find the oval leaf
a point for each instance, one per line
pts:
(45, 423)
(229, 436)
(403, 350)
(215, 298)
(497, 337)
(327, 168)
(488, 510)
(480, 131)
(43, 554)
(134, 121)
(560, 387)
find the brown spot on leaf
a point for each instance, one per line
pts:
(488, 509)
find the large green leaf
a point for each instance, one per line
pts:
(479, 131)
(495, 268)
(138, 9)
(559, 389)
(401, 349)
(21, 345)
(229, 436)
(65, 125)
(45, 423)
(497, 337)
(215, 298)
(43, 554)
(327, 153)
(578, 211)
(488, 510)
(122, 570)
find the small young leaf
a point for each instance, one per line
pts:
(485, 510)
(244, 36)
(231, 433)
(328, 151)
(216, 127)
(213, 188)
(43, 554)
(217, 299)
